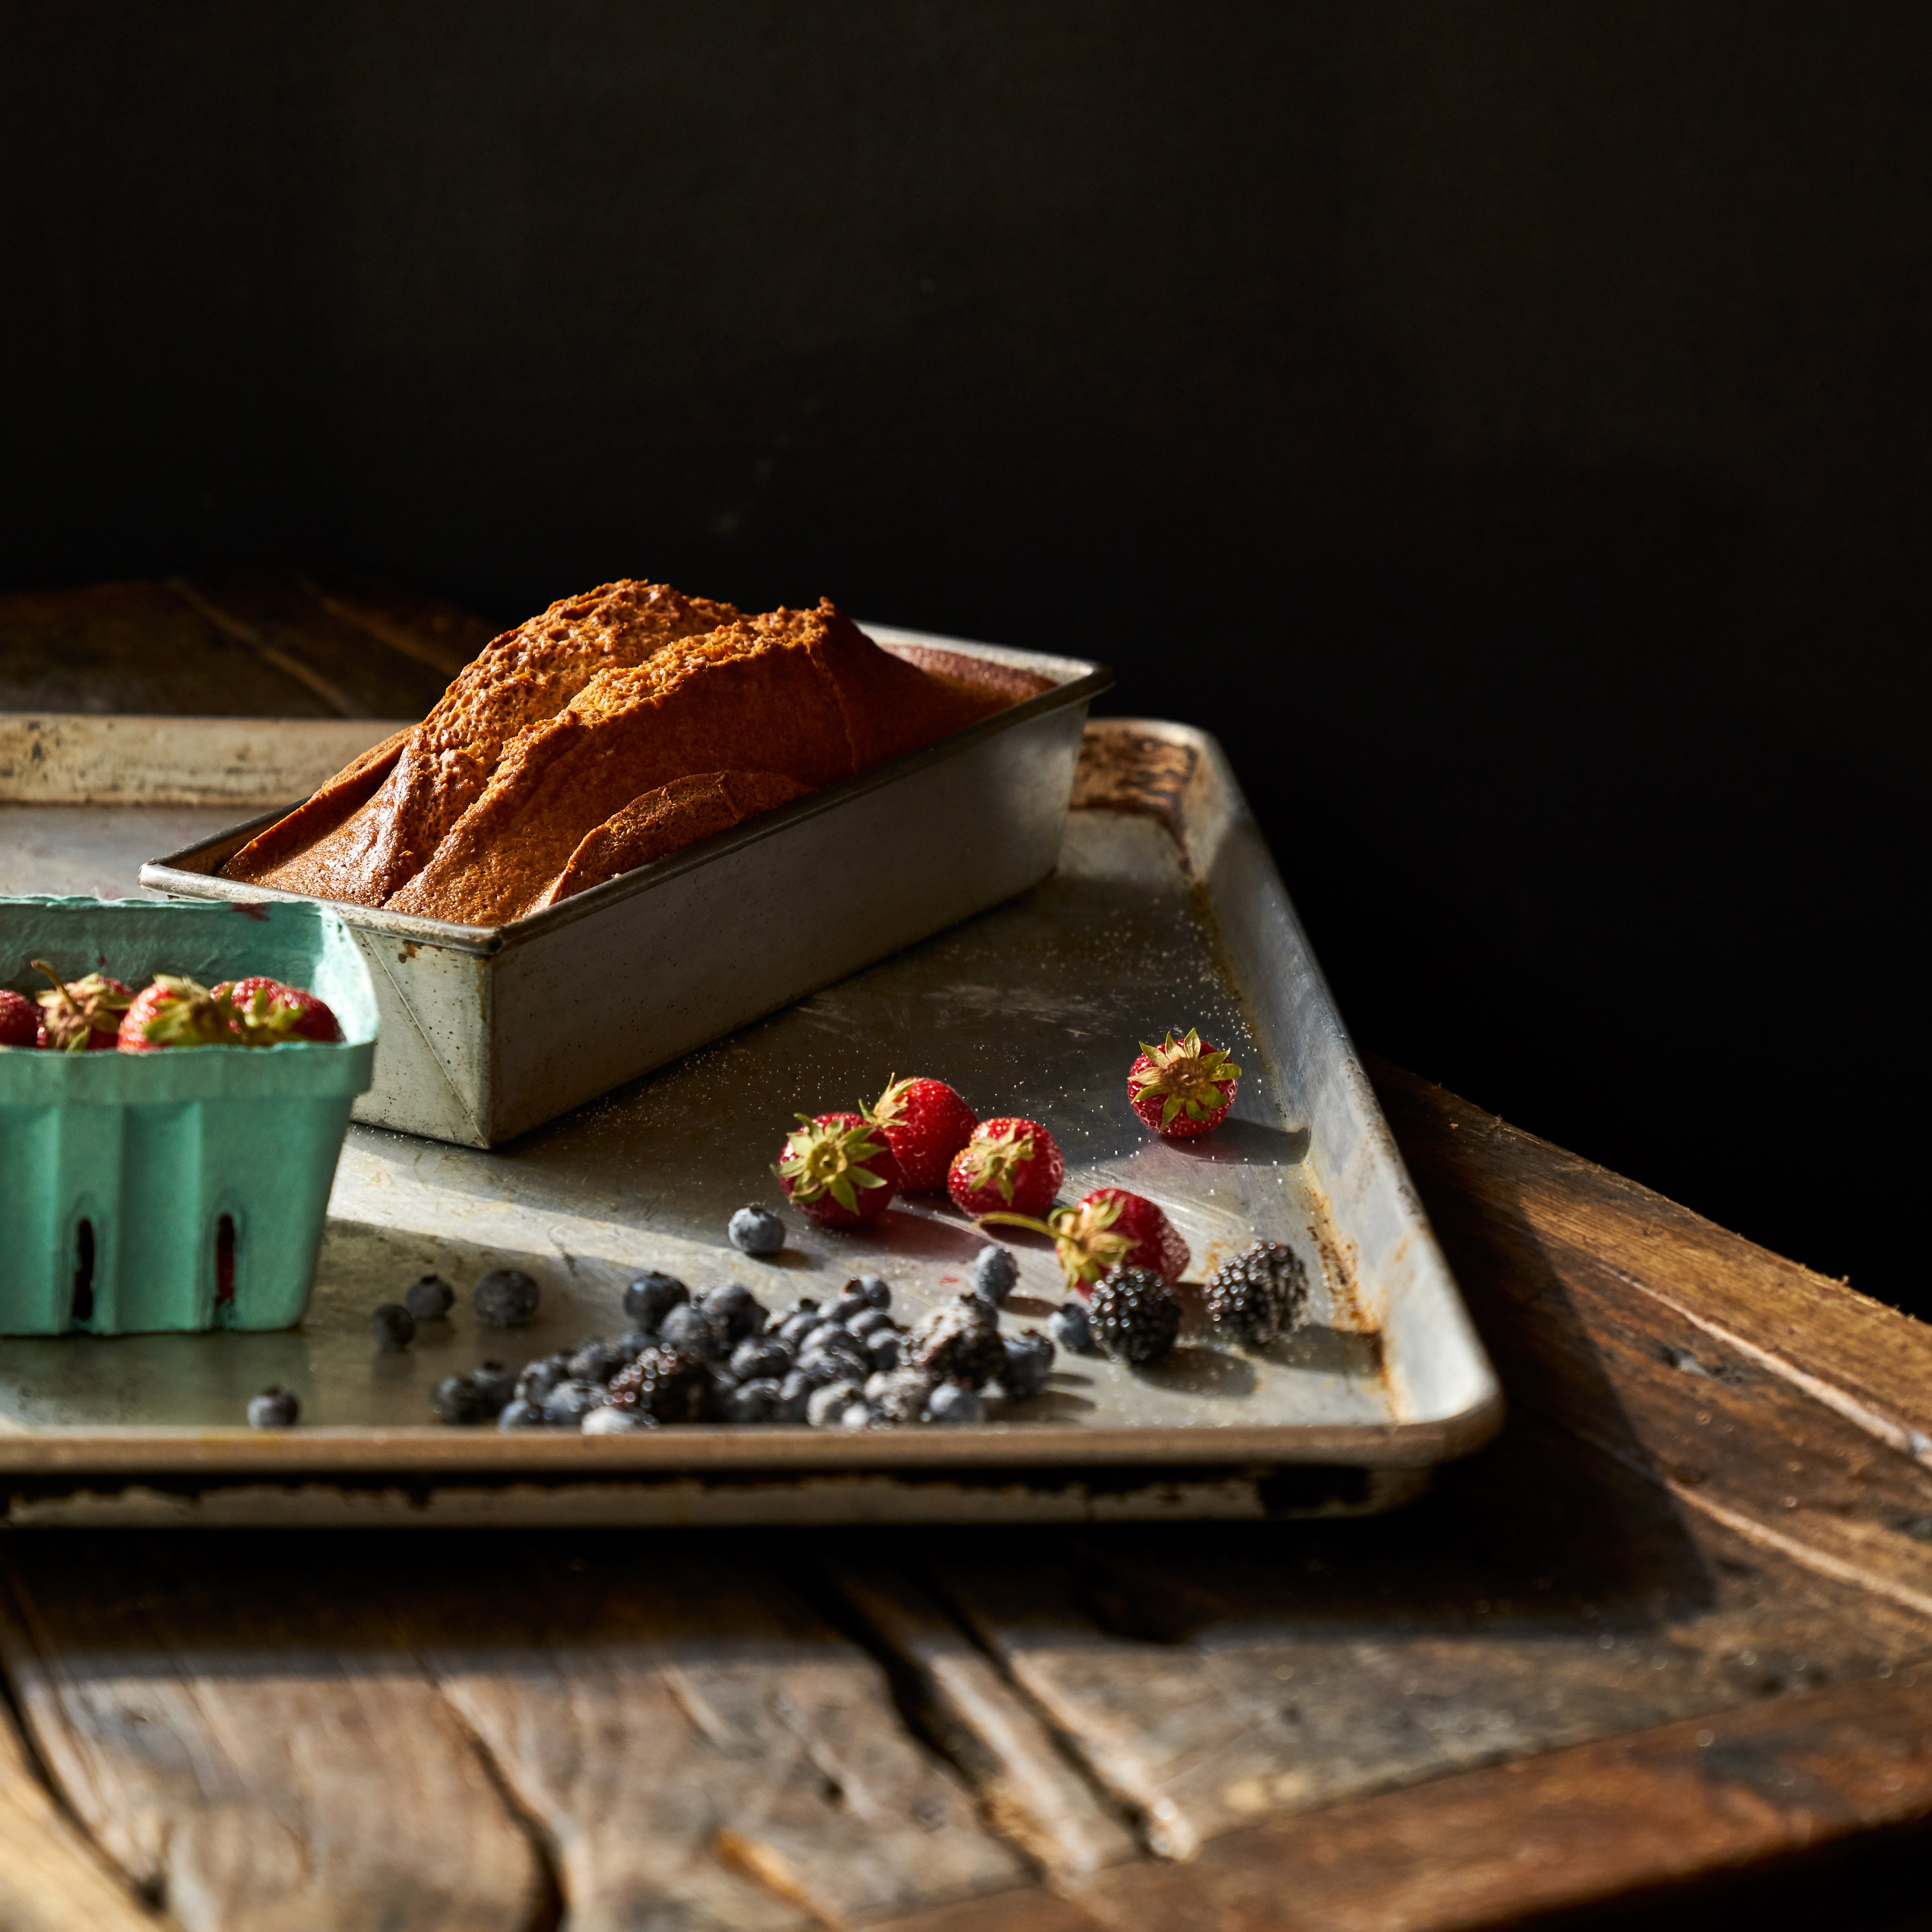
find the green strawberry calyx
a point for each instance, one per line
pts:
(820, 1159)
(1187, 1077)
(1085, 1242)
(73, 1014)
(994, 1161)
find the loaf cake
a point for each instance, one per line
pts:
(617, 727)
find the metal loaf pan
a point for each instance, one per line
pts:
(487, 1031)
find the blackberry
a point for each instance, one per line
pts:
(648, 1299)
(669, 1385)
(457, 1399)
(692, 1327)
(958, 1342)
(506, 1298)
(1068, 1326)
(1257, 1295)
(393, 1326)
(1134, 1315)
(1029, 1362)
(759, 1359)
(740, 1311)
(431, 1299)
(608, 1421)
(756, 1231)
(275, 1407)
(995, 1273)
(954, 1402)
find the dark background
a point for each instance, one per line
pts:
(1506, 426)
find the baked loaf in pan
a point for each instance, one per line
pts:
(617, 727)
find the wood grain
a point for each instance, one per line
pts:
(51, 1879)
(1025, 1778)
(246, 1748)
(1785, 1406)
(702, 1747)
(1560, 1829)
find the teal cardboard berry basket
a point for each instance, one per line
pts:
(180, 1190)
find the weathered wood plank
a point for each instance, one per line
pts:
(1021, 1772)
(1545, 1595)
(248, 1748)
(1781, 1404)
(1682, 1801)
(702, 1749)
(51, 1879)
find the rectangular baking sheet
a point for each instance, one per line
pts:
(487, 1031)
(1166, 910)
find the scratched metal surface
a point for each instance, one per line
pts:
(1033, 1008)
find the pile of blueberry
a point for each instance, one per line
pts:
(721, 1356)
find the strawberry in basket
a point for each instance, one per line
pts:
(287, 1012)
(83, 1017)
(19, 1019)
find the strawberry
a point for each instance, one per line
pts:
(83, 1017)
(175, 1012)
(1110, 1229)
(925, 1123)
(838, 1169)
(287, 1012)
(1007, 1164)
(20, 1020)
(1183, 1087)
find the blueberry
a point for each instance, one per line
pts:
(832, 1352)
(506, 1298)
(848, 1305)
(877, 1291)
(275, 1407)
(795, 1394)
(691, 1326)
(805, 1304)
(540, 1376)
(1067, 1325)
(651, 1297)
(741, 1312)
(595, 1361)
(792, 1333)
(756, 1401)
(522, 1415)
(569, 1402)
(758, 1357)
(607, 1421)
(827, 1406)
(1029, 1361)
(456, 1399)
(495, 1384)
(995, 1272)
(756, 1231)
(952, 1401)
(431, 1299)
(870, 1321)
(882, 1350)
(393, 1325)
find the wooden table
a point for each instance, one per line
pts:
(1677, 1622)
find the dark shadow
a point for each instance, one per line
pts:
(1236, 1143)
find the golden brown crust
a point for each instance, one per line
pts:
(666, 820)
(518, 680)
(560, 750)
